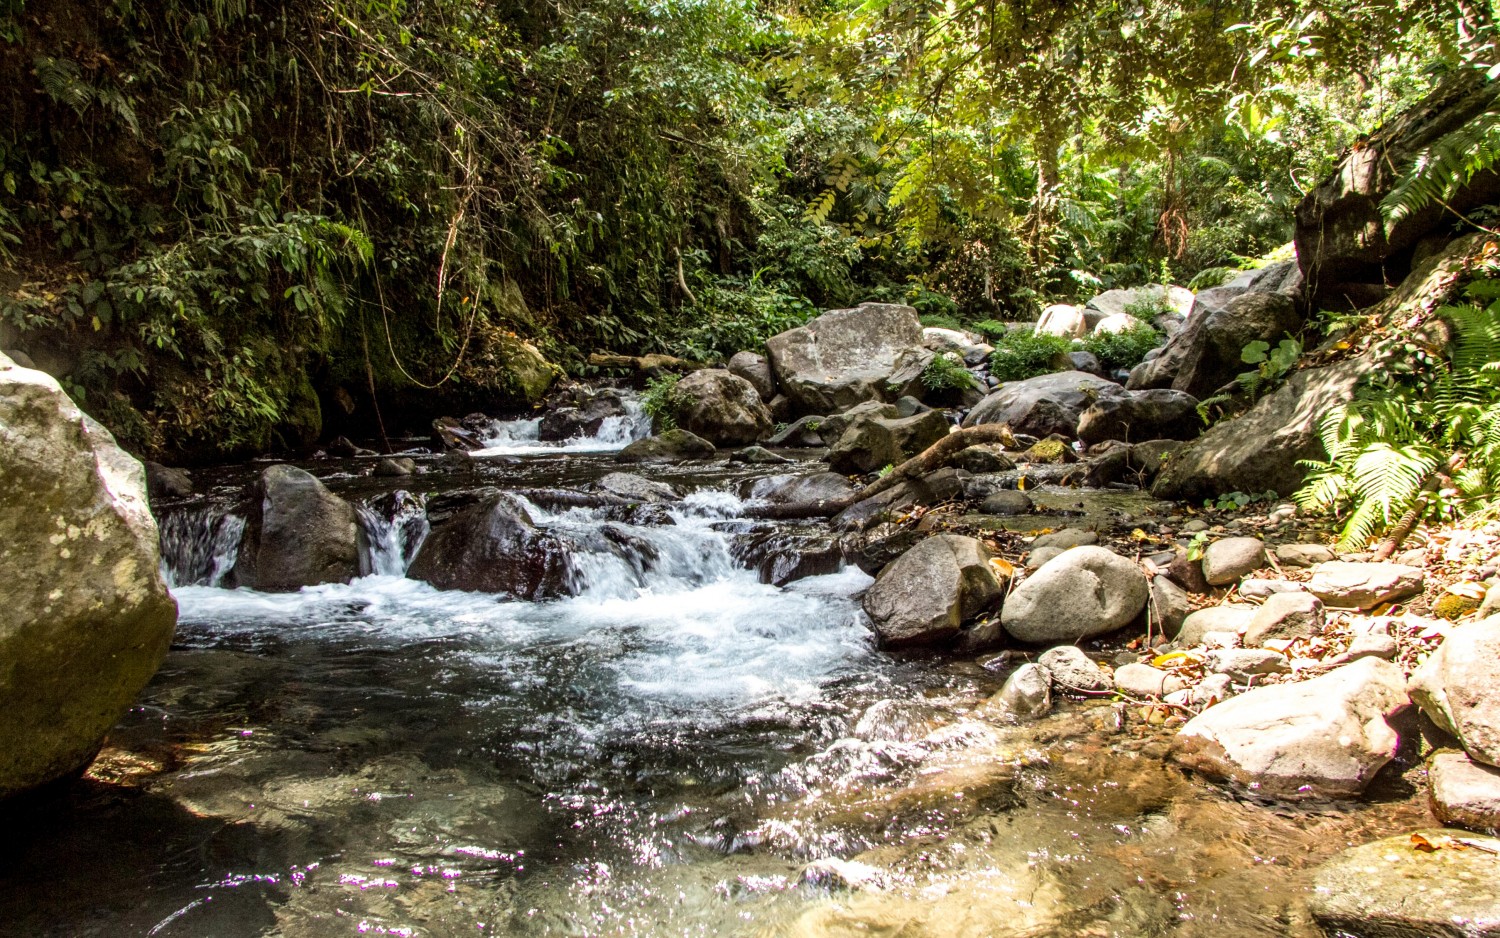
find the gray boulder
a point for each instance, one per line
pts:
(1304, 555)
(1170, 606)
(721, 408)
(1260, 449)
(1233, 619)
(394, 467)
(297, 534)
(1135, 416)
(639, 488)
(1078, 594)
(819, 489)
(1458, 687)
(843, 357)
(581, 413)
(1043, 405)
(1392, 889)
(926, 594)
(1283, 616)
(1066, 538)
(801, 432)
(1464, 793)
(1228, 559)
(1323, 738)
(165, 482)
(493, 546)
(1027, 694)
(671, 445)
(1349, 585)
(1245, 664)
(1205, 355)
(756, 370)
(871, 442)
(88, 618)
(1073, 671)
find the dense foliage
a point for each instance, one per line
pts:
(226, 220)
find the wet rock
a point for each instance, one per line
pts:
(822, 488)
(1027, 693)
(1086, 362)
(640, 488)
(1464, 793)
(757, 455)
(1066, 538)
(927, 593)
(341, 447)
(1142, 680)
(987, 457)
(493, 546)
(870, 442)
(1051, 451)
(844, 356)
(755, 369)
(1205, 355)
(298, 534)
(1304, 555)
(934, 488)
(1244, 664)
(780, 558)
(87, 616)
(1347, 585)
(803, 432)
(1007, 503)
(1226, 560)
(1073, 671)
(394, 467)
(1323, 738)
(1458, 687)
(1170, 606)
(833, 873)
(671, 445)
(1160, 414)
(583, 416)
(164, 482)
(910, 407)
(721, 408)
(1283, 616)
(1083, 592)
(1063, 320)
(448, 433)
(1258, 588)
(1396, 888)
(1234, 618)
(1043, 405)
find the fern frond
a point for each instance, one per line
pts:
(1444, 168)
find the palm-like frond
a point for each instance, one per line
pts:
(1446, 166)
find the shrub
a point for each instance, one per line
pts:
(947, 373)
(661, 402)
(1027, 354)
(1122, 349)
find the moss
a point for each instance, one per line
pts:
(1453, 606)
(1052, 452)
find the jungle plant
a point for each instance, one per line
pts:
(1021, 355)
(947, 373)
(1271, 366)
(662, 400)
(1124, 349)
(1423, 440)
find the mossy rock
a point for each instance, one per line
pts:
(1049, 452)
(1453, 606)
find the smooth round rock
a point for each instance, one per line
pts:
(1226, 561)
(1078, 594)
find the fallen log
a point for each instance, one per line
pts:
(649, 365)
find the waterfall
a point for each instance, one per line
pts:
(395, 526)
(522, 437)
(199, 545)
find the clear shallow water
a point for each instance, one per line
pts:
(663, 754)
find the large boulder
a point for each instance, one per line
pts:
(721, 408)
(1063, 320)
(926, 594)
(1458, 687)
(756, 370)
(1348, 248)
(670, 445)
(1080, 593)
(811, 492)
(1045, 404)
(1425, 884)
(843, 357)
(1134, 416)
(494, 546)
(88, 618)
(1323, 738)
(1349, 585)
(1260, 450)
(297, 534)
(871, 442)
(1205, 355)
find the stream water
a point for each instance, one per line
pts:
(678, 749)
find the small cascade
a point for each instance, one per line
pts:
(523, 437)
(199, 545)
(395, 526)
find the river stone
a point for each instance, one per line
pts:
(1243, 664)
(844, 356)
(1066, 538)
(756, 370)
(1078, 594)
(163, 482)
(1027, 693)
(1392, 889)
(395, 467)
(493, 546)
(1285, 615)
(1007, 503)
(1062, 320)
(1458, 687)
(583, 415)
(1205, 355)
(88, 618)
(1040, 557)
(632, 486)
(1043, 405)
(1234, 618)
(1086, 362)
(1073, 671)
(1323, 738)
(1226, 560)
(802, 432)
(819, 489)
(298, 534)
(1170, 606)
(927, 593)
(1263, 588)
(984, 458)
(671, 445)
(1160, 414)
(721, 408)
(1304, 555)
(1350, 585)
(1142, 680)
(1464, 793)
(873, 442)
(1187, 572)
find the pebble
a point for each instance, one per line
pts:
(1304, 555)
(1226, 561)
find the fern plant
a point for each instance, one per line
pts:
(1421, 445)
(947, 373)
(1444, 168)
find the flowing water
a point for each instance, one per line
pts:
(676, 749)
